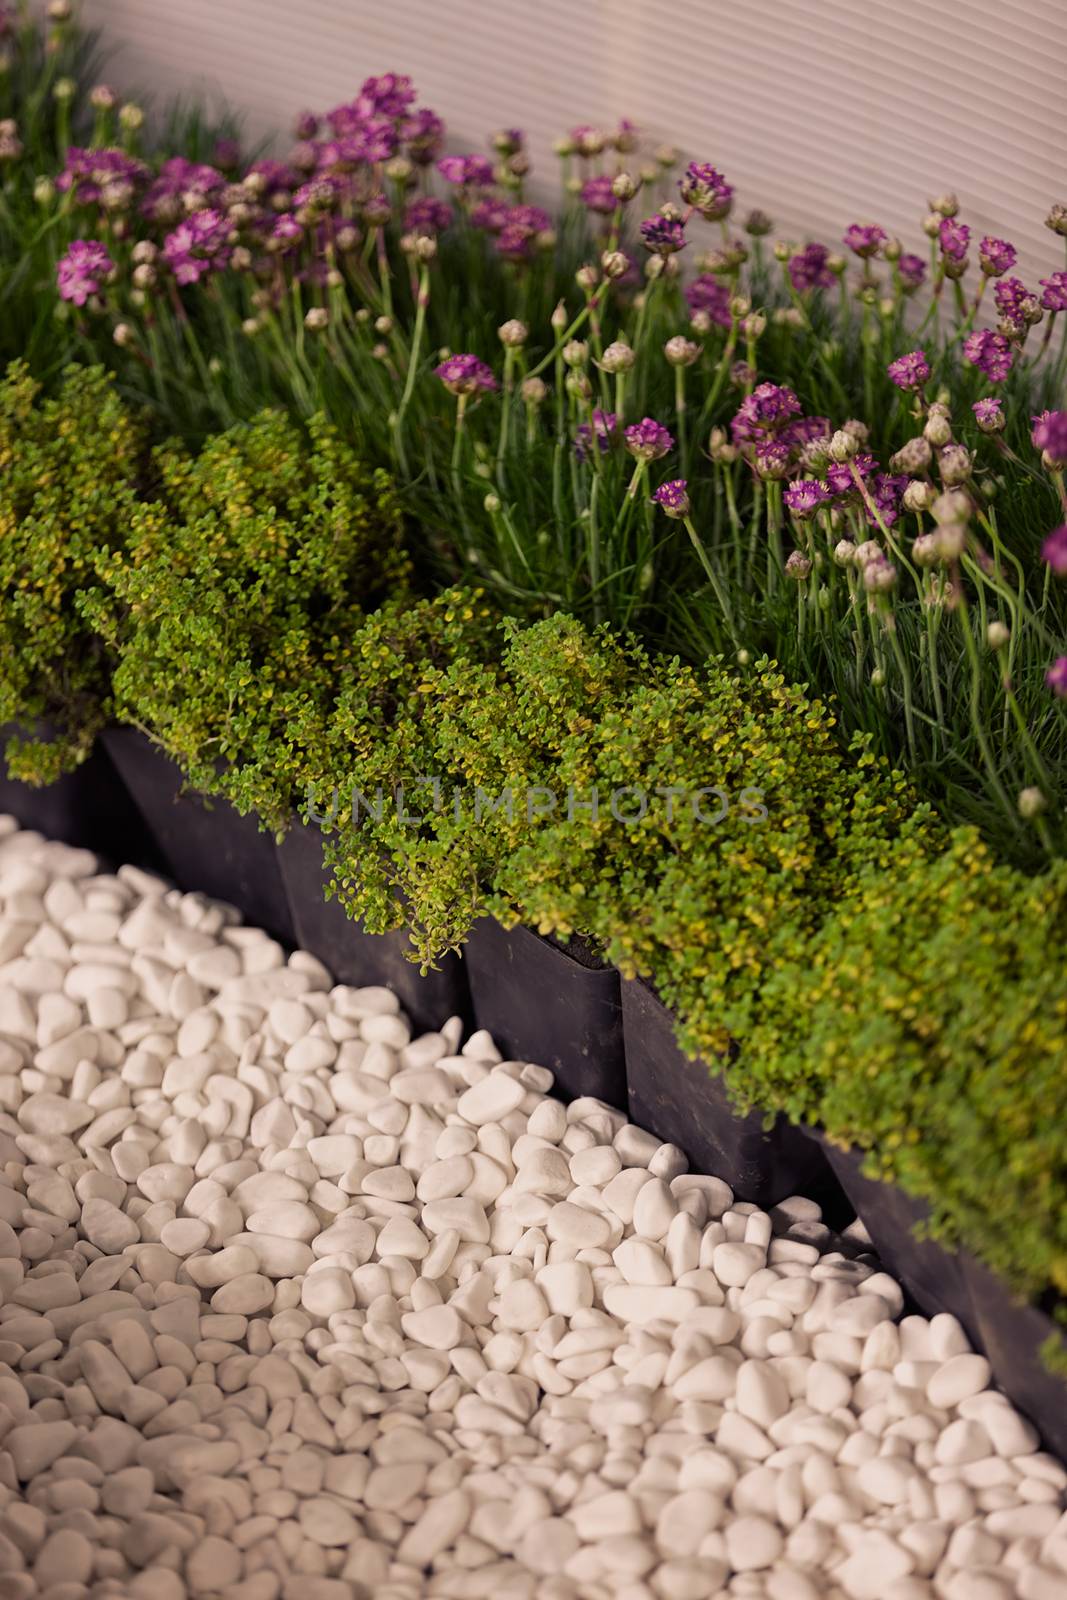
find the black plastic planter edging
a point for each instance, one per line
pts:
(541, 1004)
(686, 1103)
(203, 842)
(1011, 1333)
(354, 956)
(935, 1277)
(89, 807)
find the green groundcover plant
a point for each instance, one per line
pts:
(70, 466)
(235, 605)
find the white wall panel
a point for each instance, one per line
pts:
(820, 113)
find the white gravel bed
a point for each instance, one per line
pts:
(294, 1305)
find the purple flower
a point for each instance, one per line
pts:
(647, 440)
(709, 294)
(423, 134)
(839, 476)
(1055, 295)
(463, 375)
(598, 195)
(990, 353)
(865, 238)
(521, 228)
(1049, 435)
(808, 268)
(490, 214)
(912, 270)
(427, 215)
(804, 429)
(772, 457)
(306, 126)
(1009, 295)
(1056, 677)
(1054, 550)
(663, 235)
(387, 96)
(81, 272)
(673, 497)
(706, 190)
(910, 371)
(198, 246)
(469, 172)
(805, 496)
(954, 238)
(995, 256)
(286, 229)
(273, 177)
(179, 183)
(602, 430)
(887, 491)
(988, 415)
(764, 411)
(91, 175)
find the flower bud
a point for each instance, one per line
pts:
(513, 334)
(348, 238)
(837, 264)
(892, 249)
(754, 326)
(879, 576)
(844, 445)
(123, 334)
(932, 225)
(102, 97)
(919, 496)
(58, 10)
(576, 353)
(787, 317)
(44, 191)
(924, 551)
(623, 186)
(491, 503)
(618, 357)
(720, 449)
(798, 566)
(577, 384)
(144, 276)
(844, 552)
(946, 205)
(131, 117)
(997, 635)
(334, 279)
(1031, 803)
(399, 169)
(654, 267)
(701, 322)
(534, 391)
(743, 658)
(559, 317)
(938, 429)
(740, 306)
(952, 506)
(1057, 219)
(666, 155)
(614, 263)
(362, 317)
(950, 539)
(573, 185)
(758, 224)
(563, 146)
(783, 249)
(954, 464)
(587, 278)
(317, 318)
(913, 456)
(869, 550)
(383, 324)
(681, 352)
(648, 174)
(250, 327)
(64, 89)
(878, 678)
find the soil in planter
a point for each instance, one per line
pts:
(202, 841)
(686, 1103)
(354, 956)
(89, 807)
(559, 1006)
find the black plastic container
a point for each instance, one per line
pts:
(355, 956)
(1011, 1333)
(89, 807)
(561, 1010)
(936, 1278)
(686, 1103)
(202, 841)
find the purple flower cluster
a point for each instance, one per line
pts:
(839, 476)
(597, 195)
(1055, 295)
(427, 215)
(865, 238)
(706, 190)
(764, 412)
(673, 497)
(602, 430)
(92, 176)
(467, 172)
(490, 214)
(1056, 677)
(1049, 435)
(422, 134)
(663, 235)
(465, 375)
(519, 233)
(180, 187)
(648, 440)
(912, 271)
(808, 269)
(199, 245)
(709, 294)
(990, 353)
(887, 492)
(910, 371)
(989, 415)
(804, 496)
(1054, 550)
(82, 271)
(996, 257)
(954, 238)
(1009, 295)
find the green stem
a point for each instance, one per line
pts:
(712, 577)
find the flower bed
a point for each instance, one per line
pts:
(467, 497)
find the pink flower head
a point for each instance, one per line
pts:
(954, 238)
(808, 268)
(839, 477)
(181, 184)
(805, 496)
(673, 497)
(910, 371)
(603, 430)
(865, 238)
(1009, 295)
(469, 172)
(287, 230)
(707, 293)
(1054, 550)
(663, 235)
(996, 257)
(912, 270)
(1055, 295)
(648, 440)
(1056, 677)
(767, 409)
(990, 353)
(490, 214)
(1049, 435)
(82, 271)
(989, 415)
(465, 375)
(706, 190)
(427, 215)
(387, 96)
(597, 195)
(198, 246)
(423, 134)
